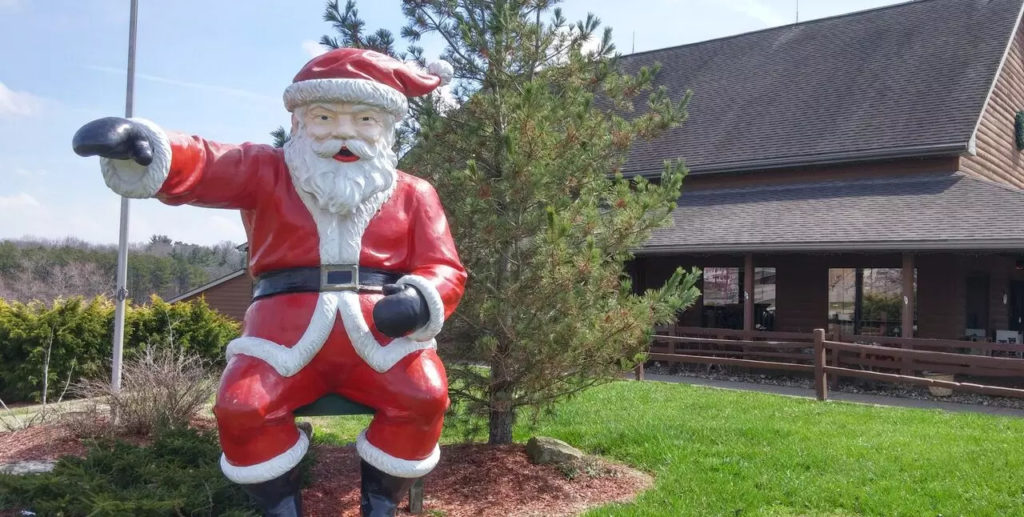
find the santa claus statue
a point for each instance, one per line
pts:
(355, 271)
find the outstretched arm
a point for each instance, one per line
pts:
(139, 159)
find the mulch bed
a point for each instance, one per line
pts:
(41, 442)
(470, 480)
(477, 480)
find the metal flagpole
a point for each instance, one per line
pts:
(122, 241)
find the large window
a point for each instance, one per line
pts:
(723, 298)
(866, 301)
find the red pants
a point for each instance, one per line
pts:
(255, 403)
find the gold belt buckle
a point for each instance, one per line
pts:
(339, 277)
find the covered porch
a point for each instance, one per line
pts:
(925, 255)
(944, 295)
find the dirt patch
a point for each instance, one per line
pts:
(38, 443)
(470, 480)
(478, 480)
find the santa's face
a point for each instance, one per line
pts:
(341, 153)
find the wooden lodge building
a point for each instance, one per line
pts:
(861, 173)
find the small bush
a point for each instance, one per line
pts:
(178, 474)
(160, 388)
(76, 334)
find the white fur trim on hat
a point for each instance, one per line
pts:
(128, 178)
(273, 468)
(396, 466)
(362, 91)
(442, 69)
(434, 303)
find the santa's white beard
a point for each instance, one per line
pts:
(339, 187)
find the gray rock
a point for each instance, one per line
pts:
(541, 450)
(26, 467)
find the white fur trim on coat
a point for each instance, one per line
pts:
(288, 361)
(140, 181)
(362, 91)
(380, 358)
(434, 303)
(396, 466)
(273, 468)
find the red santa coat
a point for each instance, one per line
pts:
(403, 230)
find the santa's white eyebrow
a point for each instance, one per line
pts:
(313, 107)
(360, 108)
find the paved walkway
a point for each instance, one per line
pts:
(860, 398)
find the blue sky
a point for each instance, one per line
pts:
(217, 68)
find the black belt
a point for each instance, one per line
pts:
(335, 277)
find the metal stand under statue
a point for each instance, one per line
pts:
(354, 264)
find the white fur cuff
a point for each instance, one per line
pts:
(361, 91)
(396, 466)
(434, 303)
(138, 181)
(273, 468)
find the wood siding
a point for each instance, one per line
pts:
(231, 298)
(858, 171)
(997, 157)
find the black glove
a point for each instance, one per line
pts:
(114, 137)
(402, 310)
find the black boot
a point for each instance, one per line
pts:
(380, 493)
(279, 497)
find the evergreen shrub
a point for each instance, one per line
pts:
(70, 340)
(178, 474)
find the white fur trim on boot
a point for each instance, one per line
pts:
(273, 468)
(140, 181)
(434, 303)
(396, 466)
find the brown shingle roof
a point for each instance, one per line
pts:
(909, 79)
(944, 211)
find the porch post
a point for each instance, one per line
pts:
(748, 292)
(907, 318)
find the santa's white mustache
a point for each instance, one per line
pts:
(331, 147)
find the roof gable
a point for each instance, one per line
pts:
(909, 79)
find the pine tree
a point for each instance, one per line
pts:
(527, 164)
(528, 168)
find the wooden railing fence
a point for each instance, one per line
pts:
(886, 359)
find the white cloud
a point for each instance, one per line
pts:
(313, 48)
(236, 92)
(14, 103)
(21, 200)
(758, 10)
(30, 173)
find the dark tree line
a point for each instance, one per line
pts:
(49, 269)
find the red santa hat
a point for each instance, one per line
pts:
(363, 76)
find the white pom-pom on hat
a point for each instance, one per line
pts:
(443, 70)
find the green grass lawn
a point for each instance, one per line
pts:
(718, 452)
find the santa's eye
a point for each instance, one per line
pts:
(324, 117)
(367, 119)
